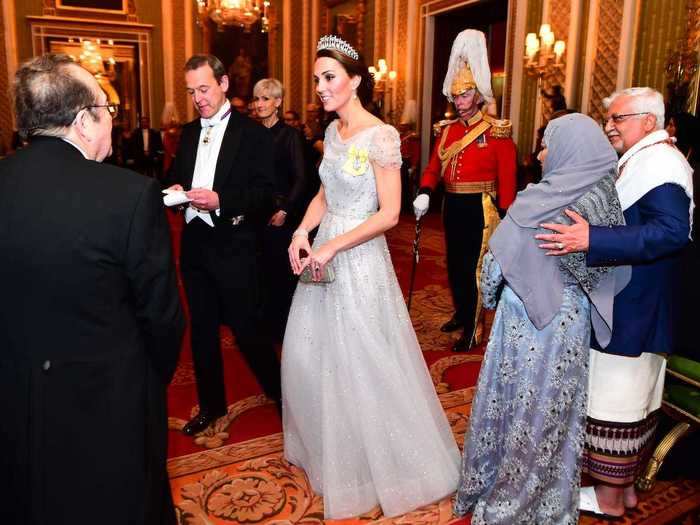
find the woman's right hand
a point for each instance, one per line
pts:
(299, 243)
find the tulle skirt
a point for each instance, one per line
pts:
(361, 415)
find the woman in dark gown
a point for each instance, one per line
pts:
(291, 198)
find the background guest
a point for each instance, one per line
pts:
(290, 201)
(238, 104)
(291, 118)
(170, 135)
(686, 130)
(146, 149)
(253, 112)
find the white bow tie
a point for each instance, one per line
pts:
(209, 122)
(216, 119)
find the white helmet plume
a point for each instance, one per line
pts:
(469, 49)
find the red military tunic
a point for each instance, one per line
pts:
(487, 164)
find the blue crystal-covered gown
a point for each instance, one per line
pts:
(360, 411)
(522, 453)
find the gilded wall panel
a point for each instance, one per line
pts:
(582, 43)
(297, 55)
(511, 54)
(661, 28)
(401, 44)
(607, 52)
(181, 99)
(559, 18)
(380, 30)
(528, 95)
(5, 100)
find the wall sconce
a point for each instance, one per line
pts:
(384, 83)
(543, 55)
(381, 73)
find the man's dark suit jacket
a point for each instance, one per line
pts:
(657, 227)
(243, 177)
(220, 265)
(90, 330)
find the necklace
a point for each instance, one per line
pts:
(207, 133)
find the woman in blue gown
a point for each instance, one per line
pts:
(522, 453)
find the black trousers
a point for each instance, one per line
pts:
(219, 270)
(463, 218)
(279, 282)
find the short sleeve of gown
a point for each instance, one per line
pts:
(385, 148)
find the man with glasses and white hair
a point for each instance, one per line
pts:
(91, 323)
(626, 380)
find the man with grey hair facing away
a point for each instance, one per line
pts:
(626, 380)
(91, 324)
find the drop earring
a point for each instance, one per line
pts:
(354, 94)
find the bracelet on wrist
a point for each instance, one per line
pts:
(300, 232)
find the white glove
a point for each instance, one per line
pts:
(421, 205)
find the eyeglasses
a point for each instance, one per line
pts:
(620, 118)
(112, 108)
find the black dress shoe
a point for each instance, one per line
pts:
(462, 344)
(452, 325)
(199, 423)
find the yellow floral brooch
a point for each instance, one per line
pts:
(358, 158)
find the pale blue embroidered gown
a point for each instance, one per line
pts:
(522, 454)
(361, 415)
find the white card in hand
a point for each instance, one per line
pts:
(173, 198)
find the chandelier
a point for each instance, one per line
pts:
(92, 57)
(234, 13)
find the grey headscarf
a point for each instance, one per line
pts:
(578, 174)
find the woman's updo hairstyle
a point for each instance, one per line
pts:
(354, 68)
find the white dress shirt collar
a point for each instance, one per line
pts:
(218, 117)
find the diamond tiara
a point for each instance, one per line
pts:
(338, 44)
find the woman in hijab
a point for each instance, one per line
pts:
(522, 455)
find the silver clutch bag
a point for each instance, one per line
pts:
(328, 275)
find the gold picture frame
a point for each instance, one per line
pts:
(62, 6)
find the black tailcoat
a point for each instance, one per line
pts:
(220, 264)
(90, 330)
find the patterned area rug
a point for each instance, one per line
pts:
(235, 472)
(250, 482)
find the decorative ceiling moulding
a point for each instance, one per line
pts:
(104, 9)
(44, 29)
(435, 7)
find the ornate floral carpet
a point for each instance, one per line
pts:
(235, 472)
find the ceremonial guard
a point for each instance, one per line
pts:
(475, 157)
